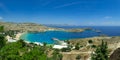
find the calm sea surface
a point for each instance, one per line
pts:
(47, 36)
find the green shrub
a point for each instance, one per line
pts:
(90, 41)
(77, 46)
(78, 57)
(65, 49)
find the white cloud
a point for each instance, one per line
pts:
(107, 17)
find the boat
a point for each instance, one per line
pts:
(55, 39)
(59, 42)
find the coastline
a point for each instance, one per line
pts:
(19, 35)
(24, 35)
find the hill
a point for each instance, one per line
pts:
(24, 26)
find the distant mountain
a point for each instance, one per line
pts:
(59, 25)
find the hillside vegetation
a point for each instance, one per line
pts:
(20, 51)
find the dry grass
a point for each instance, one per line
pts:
(113, 43)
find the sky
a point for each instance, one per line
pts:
(72, 12)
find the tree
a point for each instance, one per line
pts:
(56, 55)
(11, 33)
(44, 44)
(68, 42)
(66, 49)
(77, 47)
(93, 46)
(101, 52)
(2, 41)
(60, 56)
(13, 57)
(22, 42)
(78, 57)
(1, 28)
(20, 51)
(90, 41)
(35, 54)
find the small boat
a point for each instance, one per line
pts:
(55, 39)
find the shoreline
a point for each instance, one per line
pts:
(18, 35)
(74, 40)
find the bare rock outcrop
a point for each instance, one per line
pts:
(115, 55)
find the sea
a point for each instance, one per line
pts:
(47, 37)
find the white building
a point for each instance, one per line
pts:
(9, 39)
(59, 46)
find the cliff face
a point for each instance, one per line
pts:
(115, 55)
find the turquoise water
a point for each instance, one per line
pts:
(62, 35)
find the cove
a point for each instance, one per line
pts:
(48, 36)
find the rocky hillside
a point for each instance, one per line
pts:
(115, 55)
(33, 27)
(24, 26)
(88, 45)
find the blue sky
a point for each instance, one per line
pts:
(73, 12)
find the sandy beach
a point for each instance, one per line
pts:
(18, 35)
(10, 39)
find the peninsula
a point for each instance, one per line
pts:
(33, 27)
